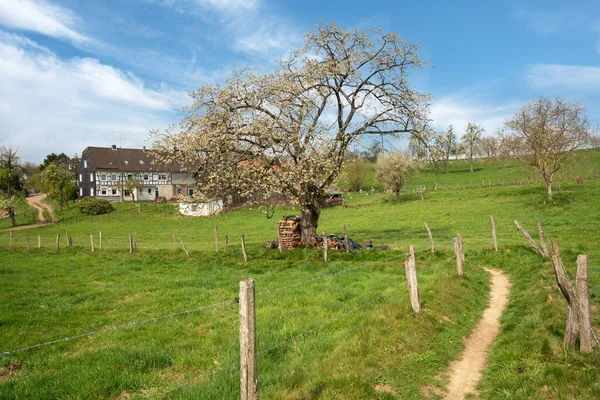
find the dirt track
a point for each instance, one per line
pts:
(465, 372)
(36, 201)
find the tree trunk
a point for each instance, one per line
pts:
(397, 192)
(61, 206)
(549, 189)
(309, 223)
(471, 163)
(11, 217)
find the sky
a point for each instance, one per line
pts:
(77, 73)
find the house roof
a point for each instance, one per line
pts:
(129, 160)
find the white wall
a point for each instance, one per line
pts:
(201, 209)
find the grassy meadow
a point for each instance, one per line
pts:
(349, 334)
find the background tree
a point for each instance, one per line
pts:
(10, 183)
(444, 146)
(394, 169)
(60, 160)
(132, 185)
(488, 146)
(355, 171)
(288, 132)
(470, 141)
(420, 142)
(58, 183)
(548, 131)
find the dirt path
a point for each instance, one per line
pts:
(466, 372)
(37, 201)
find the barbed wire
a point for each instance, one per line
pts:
(118, 327)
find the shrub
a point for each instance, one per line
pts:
(94, 206)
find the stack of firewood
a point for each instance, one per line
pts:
(290, 232)
(333, 243)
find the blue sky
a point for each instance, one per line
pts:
(75, 73)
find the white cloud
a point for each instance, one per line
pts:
(48, 104)
(461, 108)
(42, 17)
(568, 76)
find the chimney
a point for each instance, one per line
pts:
(114, 146)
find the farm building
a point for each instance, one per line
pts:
(105, 172)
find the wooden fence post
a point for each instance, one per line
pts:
(459, 270)
(226, 242)
(566, 287)
(587, 341)
(27, 241)
(244, 249)
(543, 239)
(67, 238)
(92, 242)
(216, 239)
(100, 234)
(410, 268)
(279, 244)
(430, 238)
(461, 248)
(248, 361)
(529, 239)
(130, 245)
(39, 241)
(494, 233)
(58, 241)
(325, 246)
(346, 244)
(184, 249)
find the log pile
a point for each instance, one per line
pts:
(290, 232)
(333, 243)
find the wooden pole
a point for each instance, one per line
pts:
(587, 340)
(346, 244)
(459, 270)
(184, 249)
(92, 242)
(543, 239)
(410, 269)
(325, 246)
(58, 241)
(226, 242)
(430, 238)
(279, 243)
(216, 239)
(27, 241)
(39, 241)
(248, 359)
(100, 235)
(529, 239)
(461, 248)
(494, 233)
(244, 249)
(130, 245)
(566, 287)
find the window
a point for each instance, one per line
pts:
(126, 162)
(142, 162)
(162, 176)
(114, 177)
(149, 190)
(80, 177)
(178, 190)
(92, 177)
(114, 191)
(104, 191)
(145, 177)
(103, 177)
(81, 192)
(129, 177)
(84, 163)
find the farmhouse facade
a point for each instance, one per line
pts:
(105, 172)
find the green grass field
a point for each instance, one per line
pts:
(349, 334)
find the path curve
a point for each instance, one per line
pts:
(37, 201)
(465, 372)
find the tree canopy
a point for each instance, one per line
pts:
(287, 132)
